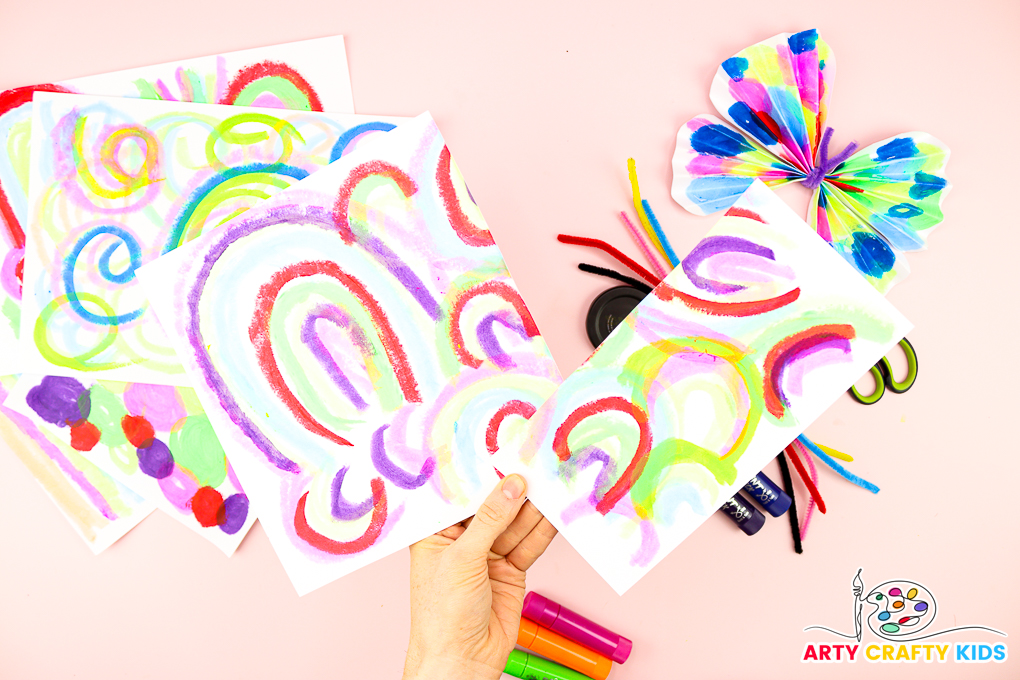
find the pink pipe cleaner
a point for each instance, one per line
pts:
(802, 450)
(656, 264)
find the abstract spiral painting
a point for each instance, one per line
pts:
(117, 182)
(742, 346)
(361, 350)
(309, 75)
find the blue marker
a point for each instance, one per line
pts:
(768, 494)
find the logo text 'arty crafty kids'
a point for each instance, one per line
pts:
(900, 613)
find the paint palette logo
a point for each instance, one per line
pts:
(901, 611)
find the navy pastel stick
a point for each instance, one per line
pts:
(768, 494)
(745, 515)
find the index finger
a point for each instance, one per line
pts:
(532, 546)
(527, 519)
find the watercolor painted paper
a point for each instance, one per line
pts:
(98, 508)
(117, 182)
(871, 206)
(154, 439)
(361, 350)
(759, 330)
(308, 75)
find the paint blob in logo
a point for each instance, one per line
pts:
(902, 609)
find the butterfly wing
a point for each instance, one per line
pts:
(855, 240)
(777, 92)
(897, 186)
(714, 164)
(882, 201)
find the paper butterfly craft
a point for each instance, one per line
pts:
(870, 205)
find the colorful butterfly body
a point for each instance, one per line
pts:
(871, 205)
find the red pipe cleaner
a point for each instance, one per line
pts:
(605, 247)
(812, 489)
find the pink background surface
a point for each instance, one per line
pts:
(542, 103)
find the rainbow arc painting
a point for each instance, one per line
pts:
(361, 350)
(741, 347)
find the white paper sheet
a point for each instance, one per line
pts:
(98, 508)
(154, 439)
(302, 74)
(361, 350)
(761, 328)
(115, 183)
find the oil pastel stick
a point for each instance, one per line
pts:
(531, 667)
(562, 650)
(768, 494)
(570, 624)
(746, 516)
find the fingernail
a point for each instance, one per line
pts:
(513, 487)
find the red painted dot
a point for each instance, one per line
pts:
(84, 435)
(206, 505)
(138, 431)
(905, 619)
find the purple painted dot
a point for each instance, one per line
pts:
(235, 512)
(156, 460)
(921, 606)
(895, 592)
(59, 400)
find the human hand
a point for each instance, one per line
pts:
(467, 588)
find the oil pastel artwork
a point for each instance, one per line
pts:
(309, 75)
(871, 205)
(361, 350)
(115, 183)
(99, 509)
(154, 439)
(759, 330)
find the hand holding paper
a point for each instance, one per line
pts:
(360, 348)
(753, 336)
(467, 588)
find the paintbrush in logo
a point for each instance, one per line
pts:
(901, 610)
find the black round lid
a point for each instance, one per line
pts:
(609, 309)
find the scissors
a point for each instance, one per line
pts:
(882, 372)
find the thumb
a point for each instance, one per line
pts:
(494, 516)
